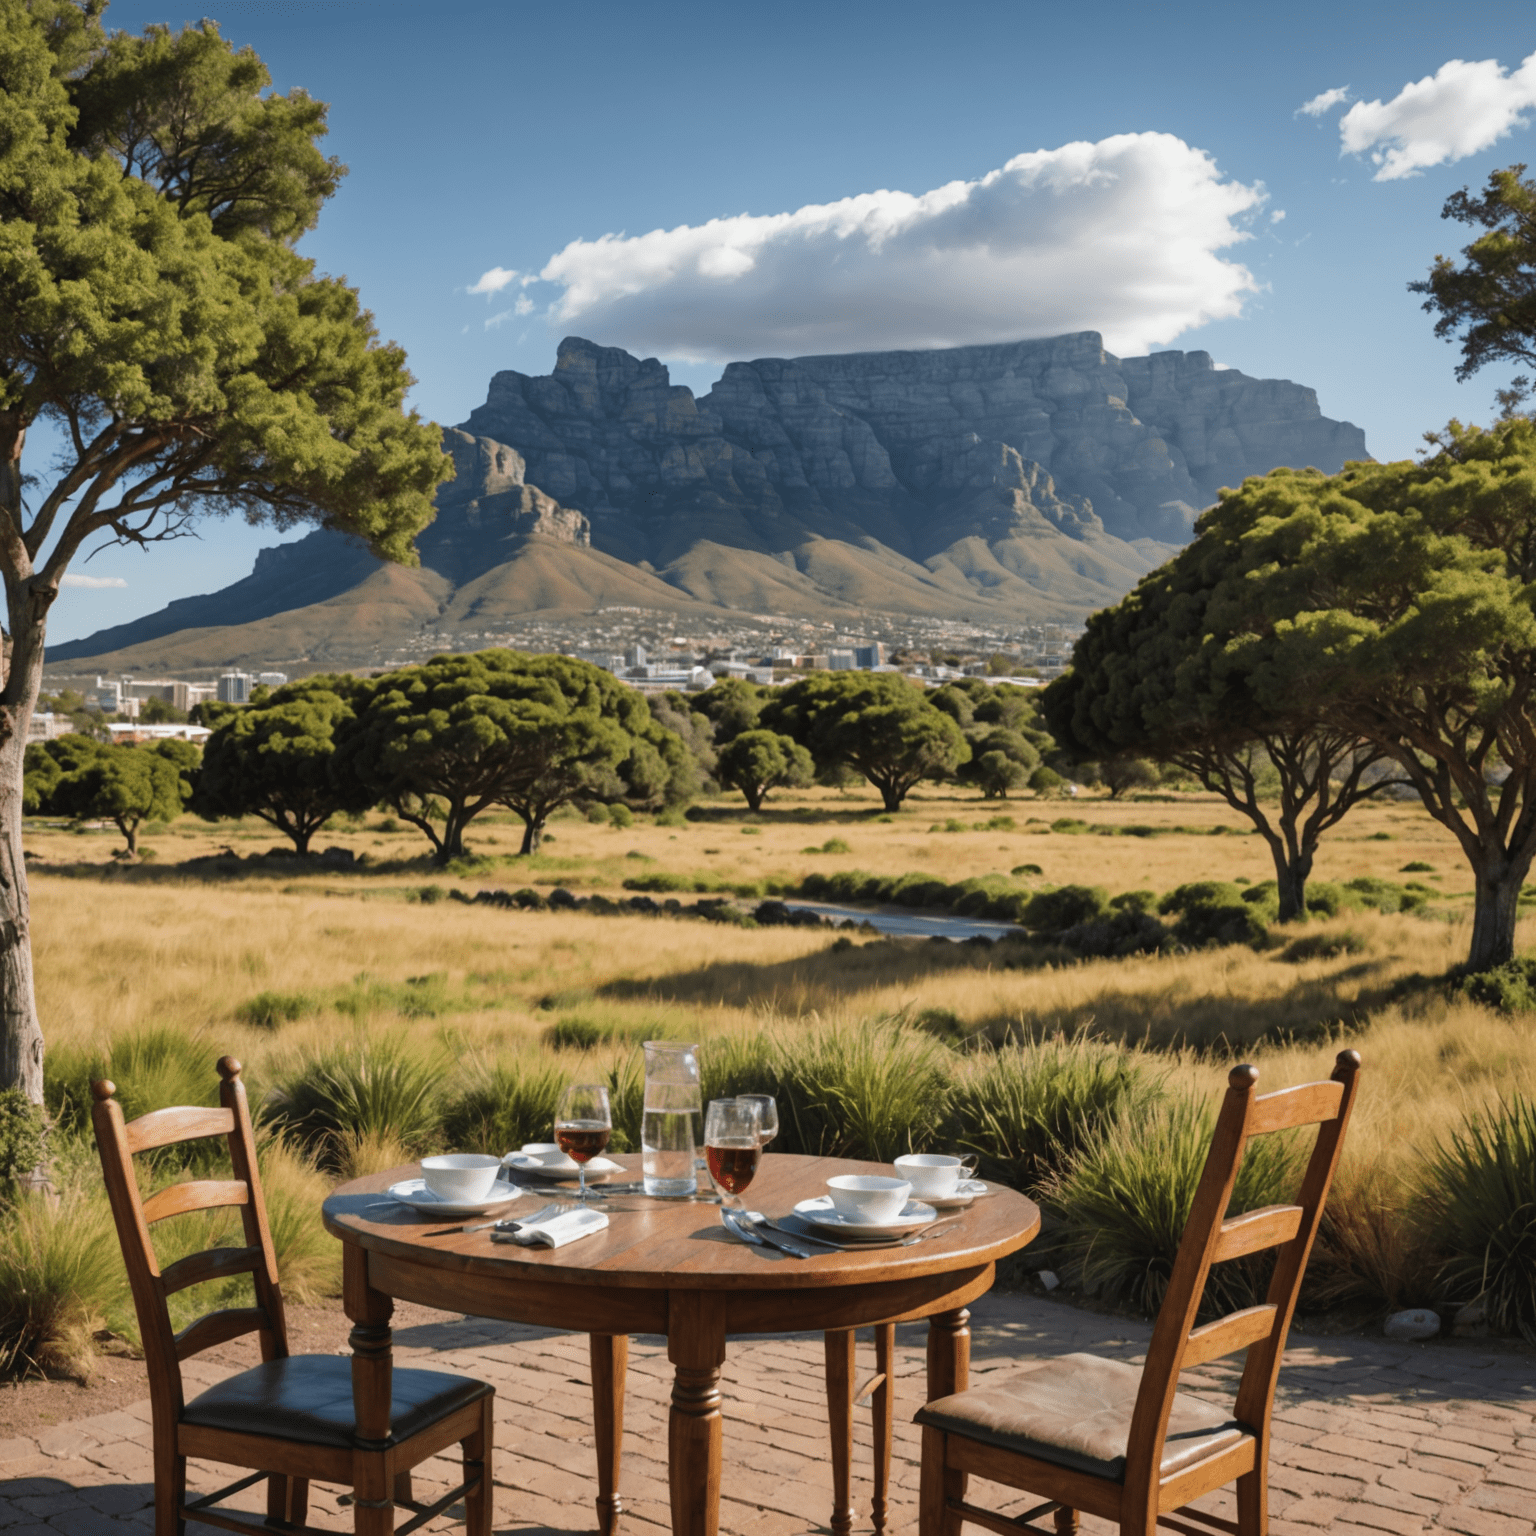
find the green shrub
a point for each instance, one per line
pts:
(61, 1279)
(1215, 912)
(1123, 1203)
(1477, 1204)
(1134, 901)
(1026, 869)
(671, 817)
(581, 1032)
(1030, 1108)
(661, 880)
(1070, 826)
(267, 1010)
(430, 895)
(380, 1087)
(597, 815)
(1065, 907)
(1511, 987)
(21, 1136)
(501, 1107)
(1328, 899)
(1417, 867)
(620, 817)
(417, 997)
(835, 845)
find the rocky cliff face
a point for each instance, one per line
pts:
(1015, 483)
(907, 448)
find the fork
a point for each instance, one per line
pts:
(554, 1208)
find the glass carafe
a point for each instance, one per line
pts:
(666, 1129)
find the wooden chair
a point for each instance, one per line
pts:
(291, 1417)
(1124, 1444)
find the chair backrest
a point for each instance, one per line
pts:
(118, 1140)
(1212, 1237)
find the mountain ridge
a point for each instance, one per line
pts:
(1037, 480)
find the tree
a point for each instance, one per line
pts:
(277, 761)
(46, 762)
(995, 773)
(1120, 773)
(1151, 677)
(756, 761)
(159, 712)
(125, 785)
(1489, 304)
(1398, 599)
(155, 309)
(876, 723)
(732, 706)
(448, 740)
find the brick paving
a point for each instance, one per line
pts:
(1371, 1438)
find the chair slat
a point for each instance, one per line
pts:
(1227, 1335)
(217, 1328)
(1267, 1227)
(1303, 1105)
(165, 1127)
(195, 1195)
(211, 1264)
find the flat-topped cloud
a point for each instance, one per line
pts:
(1123, 237)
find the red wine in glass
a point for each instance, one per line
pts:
(733, 1168)
(582, 1140)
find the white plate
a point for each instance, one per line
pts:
(414, 1193)
(965, 1191)
(820, 1212)
(598, 1169)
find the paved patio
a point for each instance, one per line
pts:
(1371, 1437)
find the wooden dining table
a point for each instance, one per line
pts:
(669, 1268)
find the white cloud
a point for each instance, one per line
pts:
(1120, 237)
(1277, 215)
(1460, 109)
(493, 281)
(94, 582)
(1324, 101)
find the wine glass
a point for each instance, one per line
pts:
(732, 1147)
(583, 1124)
(767, 1115)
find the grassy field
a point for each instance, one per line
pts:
(286, 965)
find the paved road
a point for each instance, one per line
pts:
(1371, 1437)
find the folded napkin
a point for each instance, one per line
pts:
(555, 1231)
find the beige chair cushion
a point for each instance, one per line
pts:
(1075, 1411)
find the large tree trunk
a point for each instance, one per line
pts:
(1495, 911)
(1292, 871)
(21, 1035)
(533, 834)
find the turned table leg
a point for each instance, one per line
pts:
(839, 1346)
(949, 1371)
(883, 1407)
(610, 1360)
(372, 1392)
(696, 1348)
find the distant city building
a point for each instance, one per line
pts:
(107, 696)
(130, 733)
(868, 657)
(45, 726)
(235, 688)
(201, 693)
(746, 672)
(271, 679)
(636, 656)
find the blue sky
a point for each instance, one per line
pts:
(492, 138)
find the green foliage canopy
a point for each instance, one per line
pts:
(277, 761)
(125, 785)
(757, 761)
(876, 723)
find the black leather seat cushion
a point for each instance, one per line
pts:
(1075, 1411)
(309, 1398)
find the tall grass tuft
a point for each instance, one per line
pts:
(61, 1279)
(153, 1068)
(1368, 1251)
(366, 1088)
(1124, 1201)
(873, 1092)
(1477, 1203)
(1026, 1111)
(500, 1107)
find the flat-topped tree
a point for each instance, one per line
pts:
(155, 312)
(275, 760)
(1152, 677)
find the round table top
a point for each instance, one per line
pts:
(680, 1245)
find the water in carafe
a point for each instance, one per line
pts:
(666, 1128)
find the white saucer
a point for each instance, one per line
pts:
(820, 1212)
(965, 1191)
(414, 1193)
(599, 1169)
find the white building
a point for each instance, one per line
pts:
(271, 679)
(235, 688)
(45, 726)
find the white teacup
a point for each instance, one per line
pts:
(464, 1177)
(868, 1197)
(549, 1154)
(932, 1173)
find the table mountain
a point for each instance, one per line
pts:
(1023, 481)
